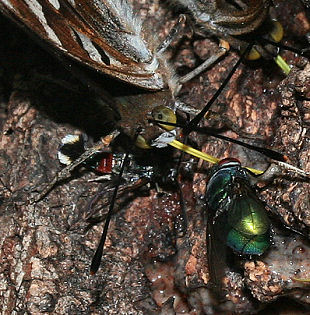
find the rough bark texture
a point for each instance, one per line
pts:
(46, 247)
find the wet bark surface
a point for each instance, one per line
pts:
(148, 267)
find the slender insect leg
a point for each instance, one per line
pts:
(173, 34)
(100, 146)
(99, 252)
(195, 121)
(277, 168)
(223, 48)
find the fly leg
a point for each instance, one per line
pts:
(278, 168)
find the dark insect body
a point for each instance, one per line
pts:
(104, 163)
(137, 169)
(141, 168)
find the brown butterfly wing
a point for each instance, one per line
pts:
(104, 35)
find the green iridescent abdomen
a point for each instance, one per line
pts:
(238, 215)
(249, 233)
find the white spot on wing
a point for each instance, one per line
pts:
(64, 159)
(55, 4)
(36, 8)
(70, 139)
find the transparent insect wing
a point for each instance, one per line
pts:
(105, 35)
(226, 231)
(247, 209)
(248, 223)
(218, 199)
(217, 252)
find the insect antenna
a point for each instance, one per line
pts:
(98, 254)
(267, 152)
(302, 52)
(210, 131)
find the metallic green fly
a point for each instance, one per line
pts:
(236, 217)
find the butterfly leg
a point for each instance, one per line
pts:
(223, 48)
(173, 34)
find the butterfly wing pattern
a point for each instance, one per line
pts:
(105, 35)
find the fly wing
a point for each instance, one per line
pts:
(217, 252)
(248, 212)
(104, 34)
(248, 223)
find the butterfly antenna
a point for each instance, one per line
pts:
(98, 255)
